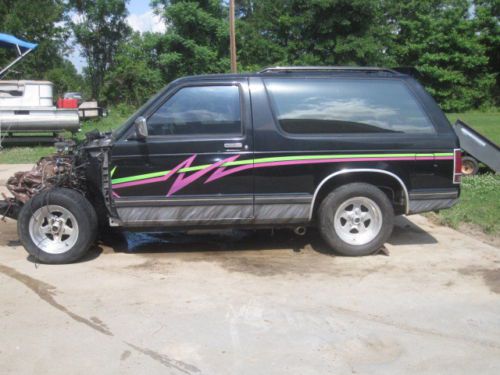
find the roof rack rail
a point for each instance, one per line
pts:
(285, 69)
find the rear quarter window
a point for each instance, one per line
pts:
(346, 106)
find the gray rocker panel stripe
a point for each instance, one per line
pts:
(213, 200)
(215, 214)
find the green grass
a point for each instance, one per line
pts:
(479, 205)
(24, 155)
(115, 118)
(486, 123)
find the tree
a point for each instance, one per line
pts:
(196, 40)
(135, 76)
(487, 19)
(39, 22)
(314, 32)
(439, 39)
(98, 26)
(65, 78)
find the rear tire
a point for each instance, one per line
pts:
(356, 219)
(57, 226)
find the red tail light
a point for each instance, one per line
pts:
(457, 166)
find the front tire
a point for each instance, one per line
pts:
(57, 226)
(356, 219)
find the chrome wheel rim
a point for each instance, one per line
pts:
(53, 229)
(358, 221)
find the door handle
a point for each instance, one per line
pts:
(233, 145)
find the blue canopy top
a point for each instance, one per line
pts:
(7, 40)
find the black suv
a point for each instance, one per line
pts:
(344, 149)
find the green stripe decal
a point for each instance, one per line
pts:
(139, 177)
(269, 160)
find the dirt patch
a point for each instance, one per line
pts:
(468, 229)
(491, 277)
(476, 232)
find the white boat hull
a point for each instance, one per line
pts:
(38, 119)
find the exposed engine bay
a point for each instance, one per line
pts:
(50, 171)
(78, 167)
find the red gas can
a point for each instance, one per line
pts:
(70, 103)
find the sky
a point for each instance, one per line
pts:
(140, 18)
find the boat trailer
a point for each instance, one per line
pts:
(477, 148)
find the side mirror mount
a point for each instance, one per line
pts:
(141, 128)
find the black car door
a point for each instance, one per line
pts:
(195, 165)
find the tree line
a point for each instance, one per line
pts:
(454, 44)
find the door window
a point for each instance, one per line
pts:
(197, 111)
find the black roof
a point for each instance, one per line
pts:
(323, 69)
(299, 71)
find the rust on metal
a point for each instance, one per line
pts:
(47, 172)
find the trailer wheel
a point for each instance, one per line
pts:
(470, 166)
(57, 226)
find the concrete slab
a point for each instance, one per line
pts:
(254, 303)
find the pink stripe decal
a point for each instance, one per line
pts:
(222, 172)
(443, 158)
(425, 158)
(181, 182)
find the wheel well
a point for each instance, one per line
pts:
(389, 184)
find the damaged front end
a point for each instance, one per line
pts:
(58, 170)
(74, 167)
